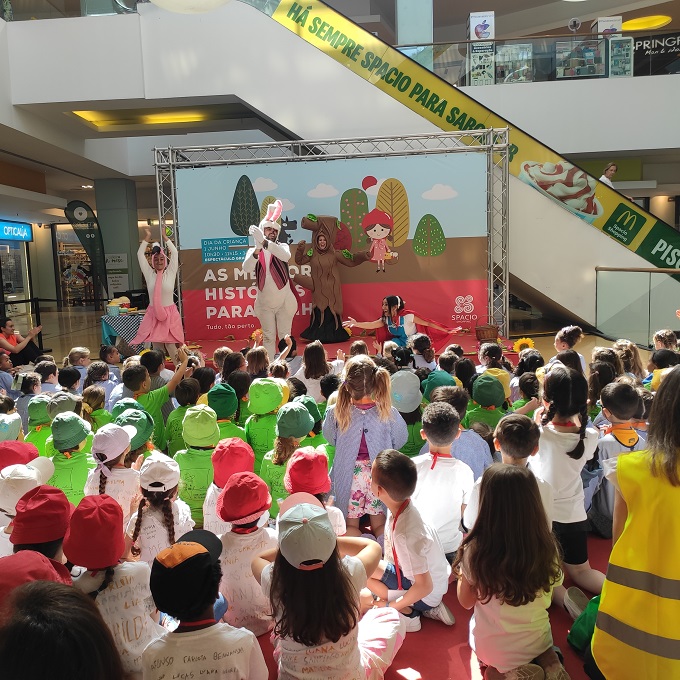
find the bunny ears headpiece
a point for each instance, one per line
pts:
(273, 213)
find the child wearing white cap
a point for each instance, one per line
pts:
(15, 481)
(313, 581)
(110, 445)
(161, 516)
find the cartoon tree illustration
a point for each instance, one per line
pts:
(353, 209)
(244, 208)
(393, 199)
(429, 239)
(265, 204)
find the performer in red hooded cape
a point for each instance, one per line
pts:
(398, 324)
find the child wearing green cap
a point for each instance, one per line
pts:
(143, 424)
(223, 400)
(39, 422)
(293, 423)
(266, 395)
(201, 434)
(71, 463)
(137, 379)
(315, 437)
(186, 394)
(488, 395)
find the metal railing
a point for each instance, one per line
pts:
(635, 302)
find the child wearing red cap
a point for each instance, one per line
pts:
(41, 521)
(243, 501)
(94, 540)
(161, 515)
(293, 424)
(231, 455)
(307, 472)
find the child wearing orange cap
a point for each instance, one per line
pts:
(231, 455)
(243, 501)
(94, 540)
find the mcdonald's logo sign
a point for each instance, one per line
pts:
(624, 224)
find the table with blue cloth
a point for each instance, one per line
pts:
(123, 326)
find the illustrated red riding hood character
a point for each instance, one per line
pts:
(378, 226)
(162, 324)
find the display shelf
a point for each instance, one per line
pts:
(621, 52)
(580, 58)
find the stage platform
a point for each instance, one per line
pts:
(467, 340)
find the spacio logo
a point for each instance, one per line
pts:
(464, 309)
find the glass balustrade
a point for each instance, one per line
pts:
(634, 303)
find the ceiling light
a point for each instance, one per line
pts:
(574, 0)
(649, 23)
(87, 186)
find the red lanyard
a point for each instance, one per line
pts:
(394, 552)
(437, 456)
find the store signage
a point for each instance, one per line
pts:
(607, 25)
(16, 231)
(481, 26)
(657, 55)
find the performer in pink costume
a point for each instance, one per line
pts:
(276, 304)
(162, 324)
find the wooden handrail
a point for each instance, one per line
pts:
(639, 270)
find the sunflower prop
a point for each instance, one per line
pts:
(523, 343)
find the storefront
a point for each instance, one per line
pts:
(73, 269)
(15, 280)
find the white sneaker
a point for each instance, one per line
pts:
(413, 624)
(440, 613)
(575, 602)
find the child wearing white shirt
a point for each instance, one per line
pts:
(151, 530)
(415, 576)
(243, 501)
(185, 582)
(444, 483)
(516, 437)
(94, 540)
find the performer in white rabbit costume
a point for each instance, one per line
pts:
(275, 304)
(162, 324)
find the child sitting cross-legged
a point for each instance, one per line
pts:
(444, 483)
(414, 577)
(510, 589)
(185, 580)
(243, 501)
(230, 456)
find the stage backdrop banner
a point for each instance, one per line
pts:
(436, 202)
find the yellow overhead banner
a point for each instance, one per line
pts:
(451, 110)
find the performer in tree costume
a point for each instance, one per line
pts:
(162, 324)
(276, 303)
(327, 251)
(398, 324)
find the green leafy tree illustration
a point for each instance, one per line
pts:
(429, 239)
(245, 209)
(265, 204)
(353, 209)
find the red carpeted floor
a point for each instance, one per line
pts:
(439, 652)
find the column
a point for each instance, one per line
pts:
(415, 26)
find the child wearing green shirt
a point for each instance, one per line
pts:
(488, 395)
(137, 379)
(186, 393)
(71, 463)
(201, 434)
(223, 400)
(293, 422)
(266, 396)
(529, 389)
(94, 399)
(143, 423)
(406, 398)
(39, 422)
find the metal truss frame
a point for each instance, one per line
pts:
(492, 142)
